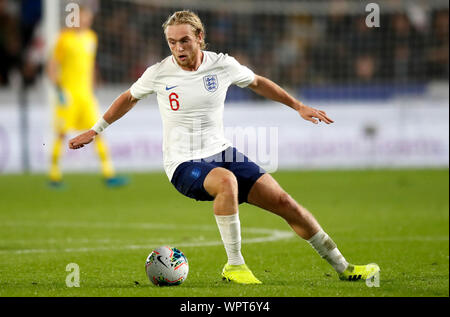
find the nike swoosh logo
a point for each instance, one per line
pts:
(159, 259)
(168, 88)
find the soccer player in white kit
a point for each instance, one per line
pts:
(191, 87)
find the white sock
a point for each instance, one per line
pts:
(230, 230)
(328, 250)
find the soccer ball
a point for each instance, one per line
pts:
(166, 266)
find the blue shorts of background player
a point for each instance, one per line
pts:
(189, 176)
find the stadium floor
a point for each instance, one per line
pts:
(396, 218)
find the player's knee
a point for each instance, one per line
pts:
(228, 183)
(222, 181)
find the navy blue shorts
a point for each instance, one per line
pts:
(189, 176)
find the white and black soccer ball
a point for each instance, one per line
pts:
(166, 266)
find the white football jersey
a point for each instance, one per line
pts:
(191, 104)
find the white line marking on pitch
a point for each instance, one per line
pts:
(271, 235)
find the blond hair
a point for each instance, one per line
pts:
(187, 17)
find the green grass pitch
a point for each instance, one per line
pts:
(396, 218)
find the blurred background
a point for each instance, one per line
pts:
(386, 87)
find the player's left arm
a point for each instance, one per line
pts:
(267, 88)
(96, 76)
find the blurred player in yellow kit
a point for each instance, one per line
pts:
(71, 69)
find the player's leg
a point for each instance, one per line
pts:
(62, 120)
(105, 159)
(206, 180)
(88, 114)
(221, 184)
(55, 174)
(268, 194)
(107, 168)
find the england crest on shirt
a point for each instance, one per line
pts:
(211, 82)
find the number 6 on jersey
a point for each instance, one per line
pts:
(173, 97)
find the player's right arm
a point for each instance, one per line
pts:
(56, 57)
(52, 70)
(53, 67)
(117, 110)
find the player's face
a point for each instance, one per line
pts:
(184, 44)
(86, 19)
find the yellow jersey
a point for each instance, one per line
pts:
(75, 53)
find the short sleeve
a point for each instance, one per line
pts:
(145, 84)
(240, 75)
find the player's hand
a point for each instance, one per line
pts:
(313, 115)
(82, 139)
